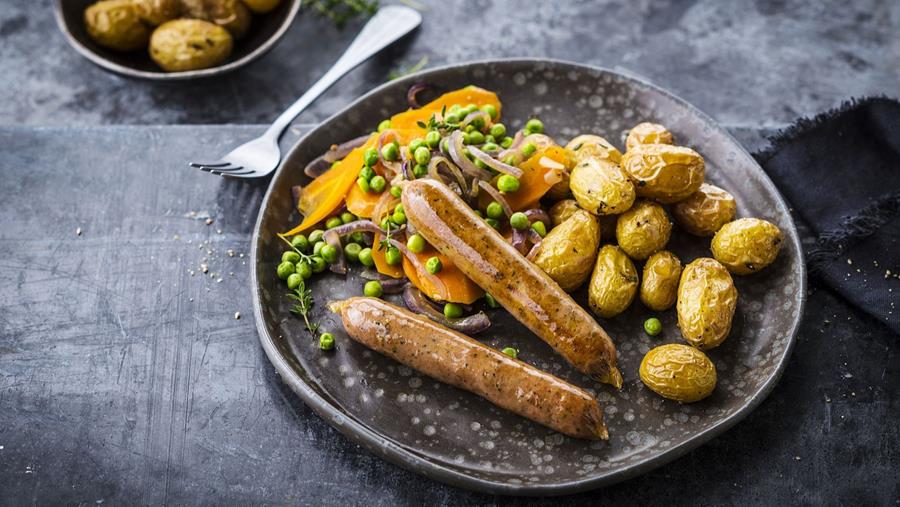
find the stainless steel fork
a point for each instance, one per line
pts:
(260, 156)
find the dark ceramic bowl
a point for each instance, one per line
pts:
(456, 437)
(265, 31)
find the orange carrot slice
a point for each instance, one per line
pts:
(458, 287)
(464, 96)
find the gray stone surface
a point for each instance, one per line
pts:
(750, 63)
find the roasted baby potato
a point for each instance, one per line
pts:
(231, 15)
(594, 146)
(643, 230)
(747, 245)
(614, 282)
(659, 283)
(568, 249)
(600, 186)
(648, 133)
(678, 372)
(157, 12)
(706, 303)
(562, 210)
(705, 211)
(115, 24)
(261, 6)
(664, 172)
(189, 44)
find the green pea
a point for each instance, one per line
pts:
(469, 128)
(285, 269)
(398, 217)
(420, 170)
(396, 191)
(377, 184)
(304, 270)
(434, 265)
(452, 311)
(415, 144)
(490, 147)
(390, 151)
(490, 301)
(506, 142)
(294, 280)
(365, 257)
(422, 155)
(508, 183)
(334, 222)
(317, 248)
(445, 146)
(498, 130)
(366, 172)
(652, 326)
(329, 254)
(433, 138)
(509, 160)
(351, 251)
(393, 256)
(493, 222)
(491, 110)
(480, 164)
(494, 210)
(534, 126)
(478, 122)
(318, 264)
(300, 242)
(316, 236)
(373, 289)
(385, 223)
(451, 118)
(539, 228)
(370, 157)
(455, 109)
(511, 352)
(326, 341)
(469, 109)
(489, 139)
(290, 256)
(358, 237)
(363, 184)
(475, 137)
(416, 243)
(519, 221)
(384, 125)
(528, 150)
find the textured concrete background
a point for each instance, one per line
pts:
(744, 63)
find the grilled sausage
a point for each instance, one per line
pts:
(528, 293)
(462, 362)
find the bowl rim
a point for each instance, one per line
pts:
(407, 457)
(125, 70)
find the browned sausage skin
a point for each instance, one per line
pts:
(528, 293)
(460, 361)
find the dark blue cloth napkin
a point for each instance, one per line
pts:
(840, 171)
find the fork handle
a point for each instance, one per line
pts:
(386, 26)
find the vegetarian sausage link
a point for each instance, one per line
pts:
(460, 361)
(528, 293)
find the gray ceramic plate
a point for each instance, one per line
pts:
(455, 437)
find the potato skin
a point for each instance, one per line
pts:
(568, 249)
(157, 12)
(659, 283)
(189, 44)
(747, 245)
(261, 6)
(678, 372)
(664, 172)
(705, 211)
(588, 145)
(562, 210)
(614, 282)
(600, 186)
(643, 230)
(648, 133)
(707, 300)
(115, 24)
(231, 15)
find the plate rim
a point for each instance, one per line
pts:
(405, 456)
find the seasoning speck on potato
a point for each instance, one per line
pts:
(116, 24)
(648, 133)
(600, 186)
(189, 44)
(747, 245)
(643, 230)
(707, 300)
(659, 283)
(664, 172)
(678, 372)
(614, 282)
(705, 211)
(567, 251)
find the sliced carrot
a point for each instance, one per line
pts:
(464, 96)
(459, 288)
(381, 262)
(533, 183)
